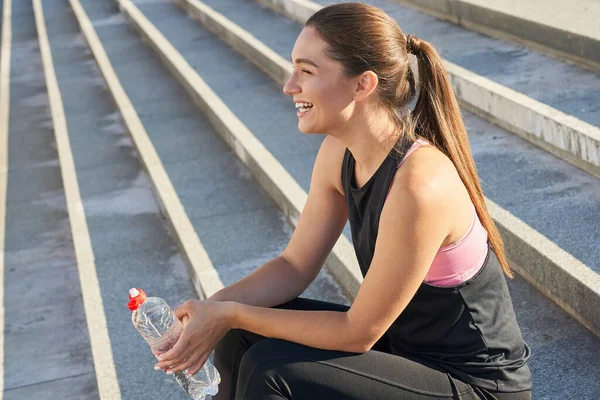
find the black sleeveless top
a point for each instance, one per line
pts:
(470, 330)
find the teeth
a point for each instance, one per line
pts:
(303, 105)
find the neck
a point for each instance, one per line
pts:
(370, 137)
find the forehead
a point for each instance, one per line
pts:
(309, 45)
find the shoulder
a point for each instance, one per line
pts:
(427, 181)
(328, 164)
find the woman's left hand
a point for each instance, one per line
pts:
(205, 324)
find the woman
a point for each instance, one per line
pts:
(433, 317)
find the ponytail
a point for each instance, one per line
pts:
(437, 118)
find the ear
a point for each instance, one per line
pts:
(365, 85)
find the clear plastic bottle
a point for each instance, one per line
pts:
(158, 325)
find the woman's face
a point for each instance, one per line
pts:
(324, 99)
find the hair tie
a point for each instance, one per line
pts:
(413, 45)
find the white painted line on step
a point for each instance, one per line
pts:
(561, 134)
(206, 278)
(534, 254)
(265, 168)
(106, 375)
(5, 55)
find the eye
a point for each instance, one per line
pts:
(305, 71)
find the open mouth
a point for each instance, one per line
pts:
(303, 108)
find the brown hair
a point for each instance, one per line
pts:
(363, 38)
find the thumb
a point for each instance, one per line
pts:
(182, 313)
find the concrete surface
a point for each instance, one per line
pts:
(131, 242)
(238, 224)
(42, 297)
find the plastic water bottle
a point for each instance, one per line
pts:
(158, 325)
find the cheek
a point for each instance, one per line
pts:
(336, 98)
(322, 92)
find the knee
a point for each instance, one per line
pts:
(260, 354)
(260, 368)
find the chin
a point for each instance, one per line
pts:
(309, 132)
(304, 128)
(308, 129)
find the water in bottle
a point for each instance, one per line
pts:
(159, 326)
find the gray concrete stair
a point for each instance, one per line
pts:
(234, 217)
(42, 302)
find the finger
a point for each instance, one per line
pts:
(184, 320)
(165, 365)
(192, 360)
(169, 365)
(176, 364)
(182, 309)
(193, 370)
(176, 352)
(185, 360)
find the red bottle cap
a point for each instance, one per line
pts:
(136, 298)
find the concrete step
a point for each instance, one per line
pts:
(570, 32)
(552, 104)
(185, 46)
(41, 298)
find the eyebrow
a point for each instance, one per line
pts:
(306, 61)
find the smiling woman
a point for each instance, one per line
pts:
(433, 318)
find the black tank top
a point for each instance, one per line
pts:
(470, 330)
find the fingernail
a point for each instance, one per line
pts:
(169, 372)
(159, 358)
(156, 367)
(188, 375)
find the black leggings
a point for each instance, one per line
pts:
(255, 367)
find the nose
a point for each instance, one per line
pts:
(291, 87)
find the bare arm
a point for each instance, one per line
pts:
(274, 283)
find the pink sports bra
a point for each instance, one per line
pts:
(460, 261)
